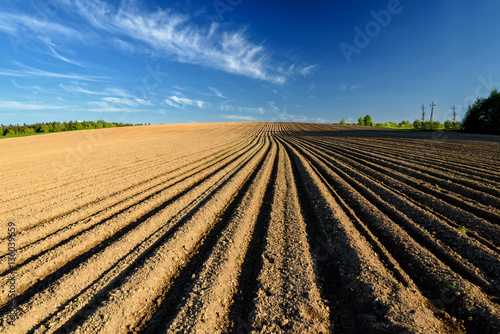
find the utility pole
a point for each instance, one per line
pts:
(432, 113)
(454, 116)
(423, 115)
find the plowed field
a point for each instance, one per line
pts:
(241, 227)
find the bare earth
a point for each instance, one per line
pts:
(251, 227)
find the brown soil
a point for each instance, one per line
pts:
(251, 227)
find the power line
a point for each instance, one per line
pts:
(423, 114)
(432, 112)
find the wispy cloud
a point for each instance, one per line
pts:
(33, 88)
(239, 117)
(126, 101)
(281, 114)
(271, 112)
(115, 110)
(16, 105)
(307, 69)
(171, 104)
(166, 33)
(217, 92)
(122, 102)
(161, 33)
(293, 69)
(258, 110)
(28, 71)
(58, 56)
(24, 26)
(113, 95)
(227, 107)
(344, 88)
(253, 110)
(181, 102)
(79, 89)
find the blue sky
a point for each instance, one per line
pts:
(144, 61)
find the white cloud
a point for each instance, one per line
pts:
(181, 102)
(271, 113)
(258, 110)
(217, 92)
(176, 36)
(115, 110)
(239, 117)
(160, 33)
(172, 104)
(344, 88)
(121, 97)
(30, 72)
(78, 89)
(16, 105)
(126, 101)
(118, 92)
(69, 61)
(118, 100)
(306, 70)
(30, 88)
(227, 107)
(24, 26)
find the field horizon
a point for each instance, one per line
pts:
(267, 227)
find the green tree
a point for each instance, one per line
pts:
(361, 121)
(44, 128)
(368, 120)
(405, 124)
(448, 124)
(484, 115)
(417, 124)
(342, 121)
(28, 131)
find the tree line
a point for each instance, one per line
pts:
(12, 130)
(484, 115)
(481, 117)
(404, 124)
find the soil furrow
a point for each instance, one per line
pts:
(431, 275)
(445, 166)
(134, 293)
(70, 230)
(400, 212)
(288, 299)
(250, 227)
(420, 154)
(96, 238)
(98, 197)
(453, 207)
(357, 283)
(466, 193)
(205, 300)
(109, 174)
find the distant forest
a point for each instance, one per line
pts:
(484, 115)
(26, 129)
